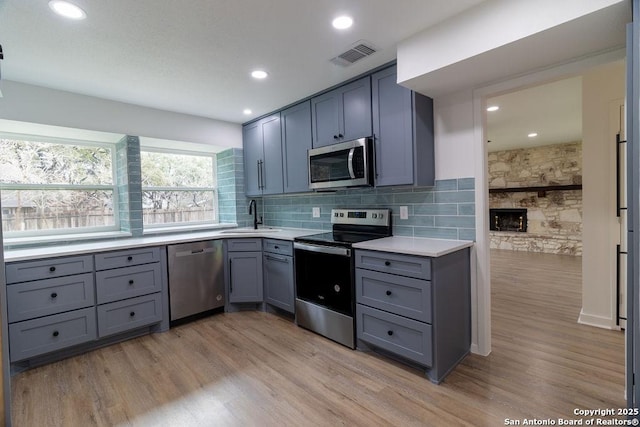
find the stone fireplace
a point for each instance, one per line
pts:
(508, 220)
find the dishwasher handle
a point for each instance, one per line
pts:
(195, 252)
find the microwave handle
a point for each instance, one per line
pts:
(353, 175)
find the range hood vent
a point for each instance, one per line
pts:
(360, 49)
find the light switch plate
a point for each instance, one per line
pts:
(404, 212)
(316, 212)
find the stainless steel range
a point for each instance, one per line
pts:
(325, 288)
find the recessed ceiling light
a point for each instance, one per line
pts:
(247, 111)
(532, 135)
(259, 74)
(342, 22)
(493, 108)
(66, 9)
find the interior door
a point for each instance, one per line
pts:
(633, 211)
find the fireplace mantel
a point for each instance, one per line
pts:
(541, 190)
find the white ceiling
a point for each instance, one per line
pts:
(195, 56)
(552, 110)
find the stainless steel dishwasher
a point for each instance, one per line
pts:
(196, 278)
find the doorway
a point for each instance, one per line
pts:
(555, 280)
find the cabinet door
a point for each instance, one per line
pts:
(325, 118)
(392, 128)
(355, 109)
(278, 281)
(253, 155)
(245, 276)
(296, 140)
(272, 149)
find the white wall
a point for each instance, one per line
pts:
(601, 87)
(34, 104)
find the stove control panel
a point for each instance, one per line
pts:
(361, 216)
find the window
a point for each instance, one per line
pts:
(178, 188)
(52, 186)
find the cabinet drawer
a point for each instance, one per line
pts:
(275, 246)
(50, 296)
(396, 294)
(244, 245)
(405, 337)
(119, 259)
(44, 269)
(403, 265)
(39, 336)
(122, 283)
(129, 314)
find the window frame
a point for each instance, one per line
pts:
(79, 187)
(190, 224)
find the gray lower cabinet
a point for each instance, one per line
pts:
(416, 308)
(128, 290)
(244, 262)
(59, 303)
(50, 305)
(278, 274)
(403, 132)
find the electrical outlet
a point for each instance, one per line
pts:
(404, 212)
(316, 212)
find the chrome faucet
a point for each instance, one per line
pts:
(254, 210)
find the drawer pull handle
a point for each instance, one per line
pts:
(387, 263)
(277, 247)
(132, 314)
(388, 293)
(52, 269)
(55, 333)
(389, 333)
(129, 258)
(54, 295)
(131, 282)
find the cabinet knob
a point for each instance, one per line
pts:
(387, 263)
(388, 293)
(55, 333)
(277, 247)
(54, 295)
(335, 136)
(389, 333)
(52, 269)
(129, 258)
(340, 135)
(131, 282)
(133, 313)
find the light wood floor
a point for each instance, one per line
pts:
(252, 368)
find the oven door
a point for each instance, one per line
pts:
(340, 165)
(324, 276)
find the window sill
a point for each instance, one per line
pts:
(187, 228)
(15, 242)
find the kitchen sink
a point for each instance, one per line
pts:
(250, 230)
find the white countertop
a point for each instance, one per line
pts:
(154, 240)
(402, 245)
(415, 245)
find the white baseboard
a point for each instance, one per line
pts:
(597, 321)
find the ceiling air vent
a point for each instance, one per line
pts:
(361, 49)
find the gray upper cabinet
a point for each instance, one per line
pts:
(296, 140)
(403, 131)
(262, 141)
(342, 114)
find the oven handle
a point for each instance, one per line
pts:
(331, 250)
(350, 164)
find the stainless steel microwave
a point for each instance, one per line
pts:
(346, 164)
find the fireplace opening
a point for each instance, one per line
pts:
(508, 220)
